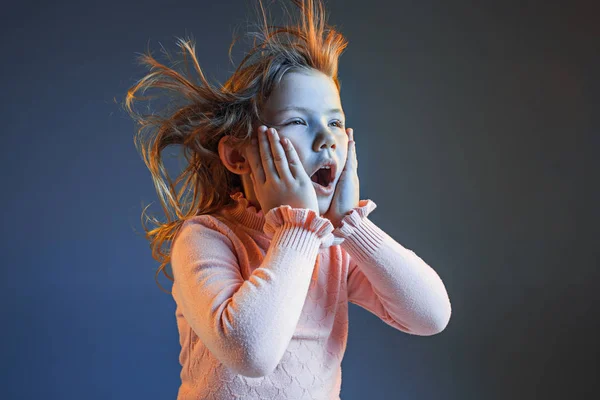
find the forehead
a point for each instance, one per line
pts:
(313, 90)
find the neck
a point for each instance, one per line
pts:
(249, 191)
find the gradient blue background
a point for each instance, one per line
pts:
(477, 132)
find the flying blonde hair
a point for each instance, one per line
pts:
(208, 113)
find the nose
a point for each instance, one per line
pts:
(324, 140)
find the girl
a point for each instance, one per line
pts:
(275, 241)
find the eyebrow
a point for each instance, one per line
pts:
(294, 108)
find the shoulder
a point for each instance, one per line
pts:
(205, 228)
(210, 221)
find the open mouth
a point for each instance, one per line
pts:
(324, 176)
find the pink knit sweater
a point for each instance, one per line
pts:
(262, 300)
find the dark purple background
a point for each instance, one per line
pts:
(477, 135)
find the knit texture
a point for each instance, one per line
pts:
(262, 300)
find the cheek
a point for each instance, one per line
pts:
(343, 140)
(344, 147)
(298, 147)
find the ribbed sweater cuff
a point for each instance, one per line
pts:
(304, 241)
(300, 228)
(364, 243)
(361, 237)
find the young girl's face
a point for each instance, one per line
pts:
(306, 109)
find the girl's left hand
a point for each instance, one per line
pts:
(346, 195)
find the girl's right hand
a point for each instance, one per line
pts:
(278, 175)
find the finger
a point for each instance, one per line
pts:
(352, 148)
(265, 154)
(294, 163)
(348, 151)
(279, 157)
(254, 158)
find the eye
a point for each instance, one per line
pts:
(296, 122)
(340, 124)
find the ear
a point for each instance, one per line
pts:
(231, 158)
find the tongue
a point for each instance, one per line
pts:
(320, 177)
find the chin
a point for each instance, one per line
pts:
(324, 204)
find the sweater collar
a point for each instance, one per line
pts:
(245, 213)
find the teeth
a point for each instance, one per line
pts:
(323, 167)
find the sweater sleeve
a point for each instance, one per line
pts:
(247, 324)
(390, 280)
